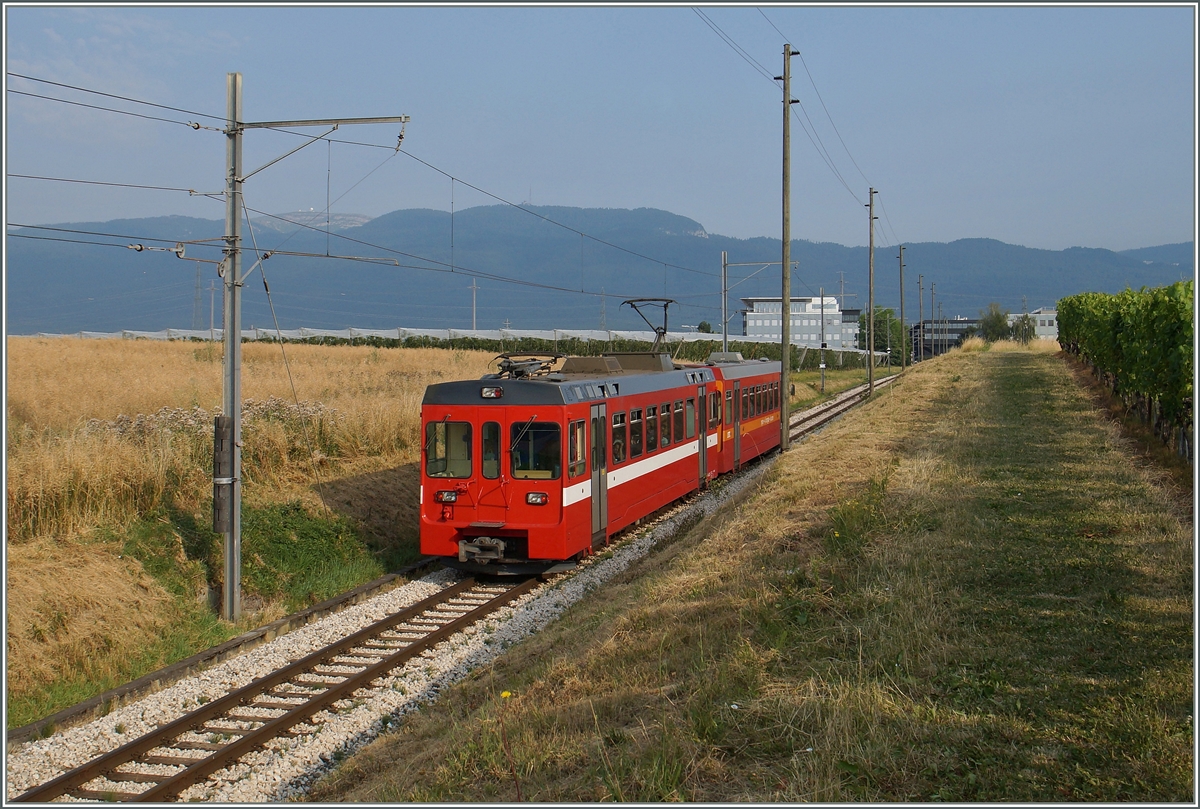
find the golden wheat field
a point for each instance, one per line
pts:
(101, 433)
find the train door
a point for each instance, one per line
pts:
(737, 426)
(599, 475)
(492, 504)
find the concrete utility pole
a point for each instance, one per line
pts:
(822, 293)
(871, 295)
(785, 304)
(903, 353)
(932, 320)
(887, 329)
(212, 305)
(724, 301)
(473, 289)
(227, 439)
(921, 314)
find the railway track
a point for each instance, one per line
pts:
(286, 703)
(806, 421)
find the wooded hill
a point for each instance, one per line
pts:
(55, 286)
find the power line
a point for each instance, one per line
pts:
(442, 267)
(813, 137)
(500, 199)
(98, 182)
(198, 242)
(553, 222)
(728, 40)
(188, 124)
(111, 95)
(392, 149)
(69, 241)
(819, 98)
(831, 121)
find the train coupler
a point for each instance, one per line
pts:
(480, 549)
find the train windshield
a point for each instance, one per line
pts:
(448, 449)
(536, 451)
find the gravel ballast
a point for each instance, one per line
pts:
(288, 766)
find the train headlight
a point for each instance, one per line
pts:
(537, 498)
(492, 393)
(446, 497)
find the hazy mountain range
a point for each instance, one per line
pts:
(414, 268)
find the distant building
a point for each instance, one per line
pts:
(761, 320)
(1045, 322)
(940, 336)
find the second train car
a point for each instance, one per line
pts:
(534, 468)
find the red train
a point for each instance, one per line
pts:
(531, 467)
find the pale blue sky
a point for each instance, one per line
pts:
(1047, 127)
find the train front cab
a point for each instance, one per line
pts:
(492, 484)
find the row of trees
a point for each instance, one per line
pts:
(994, 325)
(1140, 343)
(890, 334)
(802, 358)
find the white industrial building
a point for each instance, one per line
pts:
(1045, 322)
(762, 320)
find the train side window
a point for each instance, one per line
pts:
(745, 403)
(690, 413)
(577, 448)
(760, 399)
(448, 449)
(635, 433)
(490, 435)
(678, 420)
(775, 395)
(714, 410)
(536, 451)
(618, 438)
(729, 407)
(651, 428)
(664, 424)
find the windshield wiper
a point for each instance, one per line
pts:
(521, 434)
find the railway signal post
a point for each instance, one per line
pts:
(227, 439)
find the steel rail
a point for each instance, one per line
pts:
(170, 785)
(808, 420)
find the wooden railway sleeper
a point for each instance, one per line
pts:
(72, 780)
(272, 729)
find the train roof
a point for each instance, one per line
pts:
(583, 379)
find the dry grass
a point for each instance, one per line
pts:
(109, 609)
(963, 591)
(65, 478)
(105, 437)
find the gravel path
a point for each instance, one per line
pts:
(287, 767)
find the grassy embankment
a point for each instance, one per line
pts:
(108, 548)
(969, 589)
